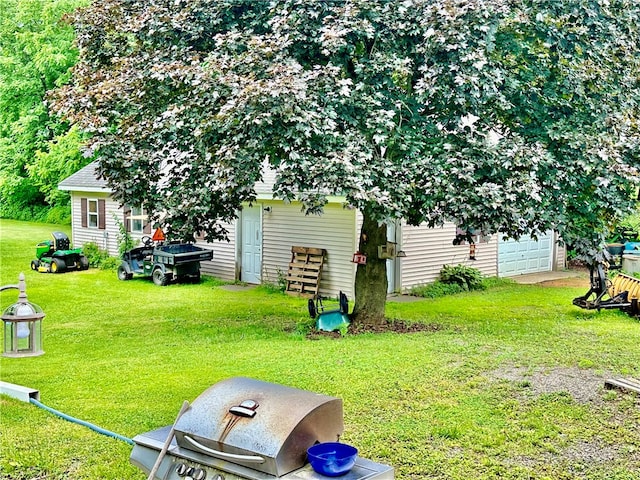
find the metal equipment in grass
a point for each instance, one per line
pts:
(330, 319)
(22, 324)
(621, 292)
(163, 262)
(56, 256)
(623, 384)
(247, 429)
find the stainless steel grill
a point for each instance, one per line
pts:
(242, 428)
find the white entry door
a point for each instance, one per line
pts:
(251, 270)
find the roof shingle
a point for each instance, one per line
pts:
(85, 180)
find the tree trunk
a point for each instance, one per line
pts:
(371, 278)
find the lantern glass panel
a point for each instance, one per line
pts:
(22, 330)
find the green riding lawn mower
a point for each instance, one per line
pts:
(56, 256)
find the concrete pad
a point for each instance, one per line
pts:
(395, 297)
(533, 278)
(237, 288)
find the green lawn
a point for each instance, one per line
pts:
(509, 386)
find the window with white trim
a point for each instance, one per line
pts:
(137, 220)
(93, 214)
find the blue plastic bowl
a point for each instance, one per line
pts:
(332, 458)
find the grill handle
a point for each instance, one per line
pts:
(224, 455)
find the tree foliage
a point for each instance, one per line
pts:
(501, 115)
(36, 52)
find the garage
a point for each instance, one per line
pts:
(527, 255)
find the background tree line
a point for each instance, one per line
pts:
(37, 149)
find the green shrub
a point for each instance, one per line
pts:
(60, 215)
(436, 290)
(627, 230)
(110, 263)
(125, 242)
(96, 256)
(31, 213)
(440, 289)
(466, 277)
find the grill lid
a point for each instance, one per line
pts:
(261, 425)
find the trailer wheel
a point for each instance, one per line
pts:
(35, 264)
(123, 275)
(159, 278)
(57, 265)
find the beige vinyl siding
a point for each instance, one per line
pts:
(429, 249)
(223, 264)
(106, 239)
(264, 188)
(560, 258)
(286, 225)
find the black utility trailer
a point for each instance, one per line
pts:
(164, 263)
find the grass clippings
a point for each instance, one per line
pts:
(394, 326)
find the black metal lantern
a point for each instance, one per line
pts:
(22, 325)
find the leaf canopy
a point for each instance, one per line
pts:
(503, 116)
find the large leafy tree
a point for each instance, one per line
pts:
(505, 116)
(36, 149)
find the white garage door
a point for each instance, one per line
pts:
(525, 256)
